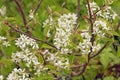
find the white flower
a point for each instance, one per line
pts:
(18, 74)
(3, 11)
(65, 27)
(1, 77)
(49, 22)
(107, 13)
(23, 42)
(6, 43)
(56, 59)
(2, 38)
(94, 7)
(31, 15)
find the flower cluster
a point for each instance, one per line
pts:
(4, 41)
(49, 22)
(57, 60)
(28, 54)
(65, 27)
(24, 42)
(100, 27)
(107, 13)
(86, 44)
(94, 7)
(18, 74)
(109, 1)
(30, 59)
(25, 56)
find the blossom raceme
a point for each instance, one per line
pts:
(18, 74)
(24, 42)
(56, 59)
(4, 41)
(65, 27)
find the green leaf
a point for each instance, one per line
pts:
(109, 78)
(106, 57)
(51, 67)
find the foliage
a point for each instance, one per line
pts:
(59, 40)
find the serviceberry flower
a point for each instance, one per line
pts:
(1, 77)
(24, 42)
(4, 41)
(64, 30)
(18, 74)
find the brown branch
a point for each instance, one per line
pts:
(91, 22)
(94, 55)
(84, 66)
(117, 26)
(21, 32)
(101, 8)
(37, 7)
(80, 72)
(78, 14)
(21, 11)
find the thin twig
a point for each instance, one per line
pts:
(21, 32)
(78, 14)
(21, 11)
(37, 7)
(91, 22)
(94, 55)
(101, 8)
(80, 72)
(117, 26)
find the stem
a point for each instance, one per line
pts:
(117, 26)
(21, 32)
(77, 12)
(37, 7)
(22, 12)
(94, 55)
(91, 23)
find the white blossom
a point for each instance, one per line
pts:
(18, 74)
(49, 22)
(94, 7)
(3, 11)
(6, 43)
(26, 56)
(65, 27)
(31, 14)
(23, 42)
(57, 60)
(107, 13)
(100, 27)
(1, 77)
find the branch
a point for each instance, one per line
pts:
(117, 26)
(21, 32)
(78, 14)
(91, 23)
(37, 7)
(80, 72)
(94, 55)
(21, 11)
(101, 8)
